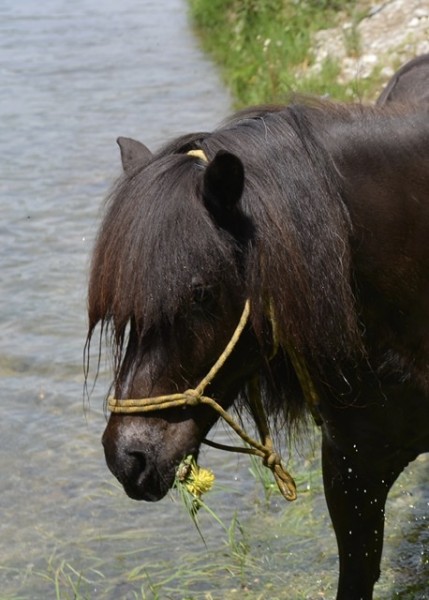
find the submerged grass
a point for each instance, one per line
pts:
(263, 47)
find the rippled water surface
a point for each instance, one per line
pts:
(74, 76)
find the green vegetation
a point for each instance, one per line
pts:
(263, 46)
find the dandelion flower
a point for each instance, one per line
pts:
(199, 481)
(196, 479)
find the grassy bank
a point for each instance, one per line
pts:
(263, 47)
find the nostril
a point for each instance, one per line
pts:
(139, 464)
(141, 481)
(128, 464)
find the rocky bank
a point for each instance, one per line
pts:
(387, 36)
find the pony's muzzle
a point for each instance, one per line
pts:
(144, 451)
(134, 464)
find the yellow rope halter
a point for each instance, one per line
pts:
(195, 396)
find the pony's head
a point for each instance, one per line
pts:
(167, 277)
(251, 211)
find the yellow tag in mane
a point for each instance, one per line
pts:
(198, 153)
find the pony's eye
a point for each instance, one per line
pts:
(198, 294)
(203, 295)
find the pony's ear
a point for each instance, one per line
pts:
(223, 186)
(133, 154)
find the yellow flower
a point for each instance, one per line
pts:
(199, 480)
(196, 480)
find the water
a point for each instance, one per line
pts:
(75, 75)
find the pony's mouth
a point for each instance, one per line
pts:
(137, 492)
(149, 486)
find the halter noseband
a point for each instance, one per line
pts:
(195, 396)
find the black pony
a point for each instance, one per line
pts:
(318, 214)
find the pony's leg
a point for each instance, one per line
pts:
(356, 498)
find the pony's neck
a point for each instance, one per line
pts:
(385, 170)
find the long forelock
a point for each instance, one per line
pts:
(156, 236)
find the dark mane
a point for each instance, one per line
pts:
(301, 262)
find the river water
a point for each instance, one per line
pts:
(75, 75)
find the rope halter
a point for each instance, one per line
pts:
(195, 396)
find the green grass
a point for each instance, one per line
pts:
(263, 46)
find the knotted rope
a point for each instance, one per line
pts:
(195, 396)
